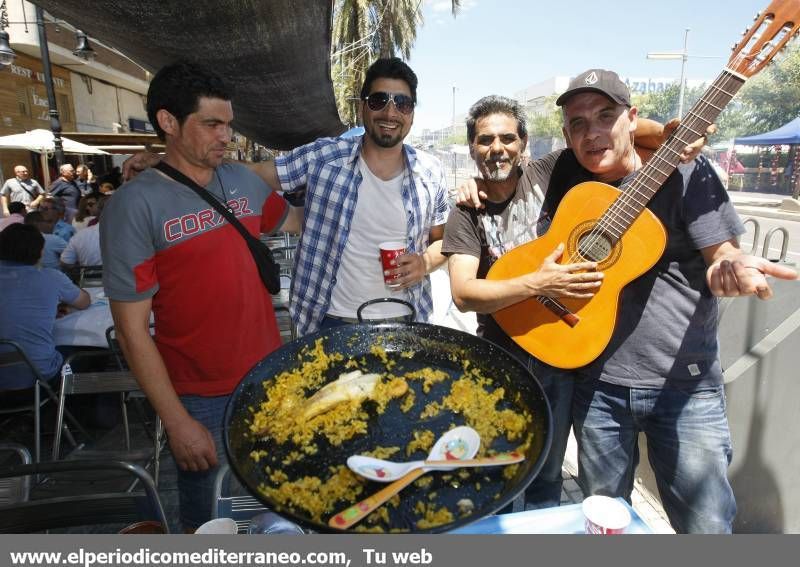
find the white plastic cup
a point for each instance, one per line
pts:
(218, 526)
(389, 253)
(604, 515)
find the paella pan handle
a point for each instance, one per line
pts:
(411, 316)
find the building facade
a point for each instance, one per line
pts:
(104, 95)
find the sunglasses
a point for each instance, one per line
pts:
(378, 101)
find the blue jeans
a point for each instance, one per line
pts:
(331, 323)
(545, 490)
(688, 445)
(196, 489)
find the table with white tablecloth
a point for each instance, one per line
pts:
(87, 327)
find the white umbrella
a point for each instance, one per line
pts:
(41, 141)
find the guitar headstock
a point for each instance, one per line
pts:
(769, 34)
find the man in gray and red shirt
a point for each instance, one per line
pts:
(165, 249)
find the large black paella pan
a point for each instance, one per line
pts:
(302, 479)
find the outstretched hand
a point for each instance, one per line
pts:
(745, 275)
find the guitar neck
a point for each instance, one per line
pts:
(637, 192)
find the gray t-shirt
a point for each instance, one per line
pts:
(24, 191)
(213, 318)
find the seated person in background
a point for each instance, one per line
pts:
(84, 248)
(106, 188)
(16, 214)
(53, 245)
(53, 211)
(28, 305)
(87, 211)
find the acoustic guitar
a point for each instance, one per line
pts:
(599, 223)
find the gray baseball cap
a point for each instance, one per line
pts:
(600, 81)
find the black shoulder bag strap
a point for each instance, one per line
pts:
(28, 191)
(268, 268)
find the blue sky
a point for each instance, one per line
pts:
(502, 46)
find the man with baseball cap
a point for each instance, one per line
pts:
(661, 373)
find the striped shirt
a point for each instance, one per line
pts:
(328, 169)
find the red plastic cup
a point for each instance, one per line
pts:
(389, 253)
(605, 515)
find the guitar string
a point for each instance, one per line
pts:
(715, 93)
(633, 190)
(622, 205)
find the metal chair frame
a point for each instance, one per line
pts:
(86, 276)
(13, 490)
(159, 435)
(82, 509)
(240, 509)
(122, 381)
(19, 356)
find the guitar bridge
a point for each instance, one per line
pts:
(559, 309)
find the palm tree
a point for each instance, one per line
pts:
(364, 29)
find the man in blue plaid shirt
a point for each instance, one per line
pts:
(361, 192)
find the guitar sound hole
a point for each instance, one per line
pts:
(595, 247)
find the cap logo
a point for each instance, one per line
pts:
(591, 78)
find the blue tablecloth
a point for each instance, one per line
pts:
(557, 520)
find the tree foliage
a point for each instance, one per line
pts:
(766, 102)
(772, 98)
(364, 30)
(545, 123)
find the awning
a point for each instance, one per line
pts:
(788, 134)
(41, 142)
(276, 54)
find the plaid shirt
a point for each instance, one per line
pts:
(328, 169)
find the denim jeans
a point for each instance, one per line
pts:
(331, 323)
(196, 489)
(688, 445)
(545, 490)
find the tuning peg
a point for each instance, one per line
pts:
(758, 15)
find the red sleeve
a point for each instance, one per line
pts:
(273, 213)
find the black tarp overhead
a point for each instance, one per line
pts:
(275, 52)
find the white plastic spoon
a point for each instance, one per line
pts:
(381, 470)
(458, 443)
